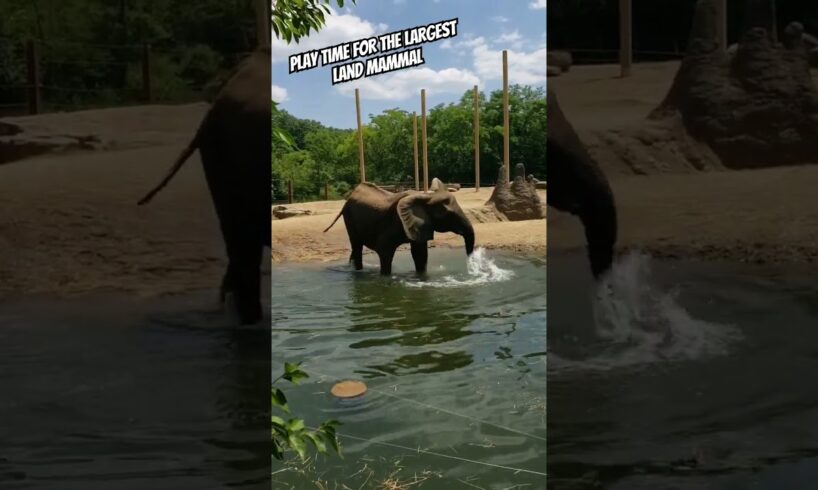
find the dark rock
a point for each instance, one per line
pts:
(517, 200)
(560, 59)
(282, 212)
(755, 108)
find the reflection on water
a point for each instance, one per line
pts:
(127, 394)
(691, 375)
(440, 354)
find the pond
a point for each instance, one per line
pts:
(454, 363)
(127, 393)
(691, 375)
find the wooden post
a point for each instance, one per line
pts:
(326, 191)
(263, 15)
(476, 139)
(360, 137)
(721, 24)
(415, 148)
(147, 87)
(423, 139)
(35, 101)
(625, 37)
(290, 191)
(506, 128)
(774, 16)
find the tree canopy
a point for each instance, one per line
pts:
(320, 155)
(91, 51)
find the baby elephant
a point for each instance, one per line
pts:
(382, 221)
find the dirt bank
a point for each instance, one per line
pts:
(69, 223)
(674, 198)
(301, 239)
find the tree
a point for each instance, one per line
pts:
(291, 20)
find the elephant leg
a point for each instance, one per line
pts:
(226, 286)
(386, 255)
(244, 277)
(420, 254)
(357, 256)
(242, 227)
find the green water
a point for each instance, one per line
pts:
(455, 366)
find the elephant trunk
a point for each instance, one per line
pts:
(598, 216)
(468, 237)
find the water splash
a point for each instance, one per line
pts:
(640, 323)
(480, 269)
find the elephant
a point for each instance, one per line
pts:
(233, 140)
(577, 185)
(382, 221)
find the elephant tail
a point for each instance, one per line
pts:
(180, 160)
(336, 218)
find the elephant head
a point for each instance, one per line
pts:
(423, 213)
(577, 185)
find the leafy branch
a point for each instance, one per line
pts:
(293, 434)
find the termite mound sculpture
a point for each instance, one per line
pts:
(757, 107)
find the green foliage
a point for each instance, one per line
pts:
(91, 51)
(292, 434)
(319, 154)
(295, 19)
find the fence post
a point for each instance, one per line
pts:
(290, 191)
(146, 73)
(360, 137)
(476, 140)
(423, 138)
(506, 123)
(721, 24)
(34, 79)
(326, 191)
(625, 37)
(415, 148)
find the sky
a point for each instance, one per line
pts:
(473, 57)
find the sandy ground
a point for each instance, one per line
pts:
(768, 215)
(69, 222)
(301, 239)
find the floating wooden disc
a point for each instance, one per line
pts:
(348, 389)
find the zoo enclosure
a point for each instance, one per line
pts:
(423, 150)
(626, 31)
(45, 79)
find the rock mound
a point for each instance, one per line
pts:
(517, 200)
(754, 107)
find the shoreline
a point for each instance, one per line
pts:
(302, 239)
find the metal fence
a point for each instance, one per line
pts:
(38, 77)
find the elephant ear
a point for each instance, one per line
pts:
(416, 221)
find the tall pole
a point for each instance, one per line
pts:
(625, 37)
(476, 140)
(423, 138)
(262, 22)
(506, 149)
(415, 148)
(721, 24)
(360, 137)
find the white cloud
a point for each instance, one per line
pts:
(523, 67)
(537, 4)
(340, 28)
(512, 38)
(499, 18)
(402, 85)
(278, 94)
(446, 44)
